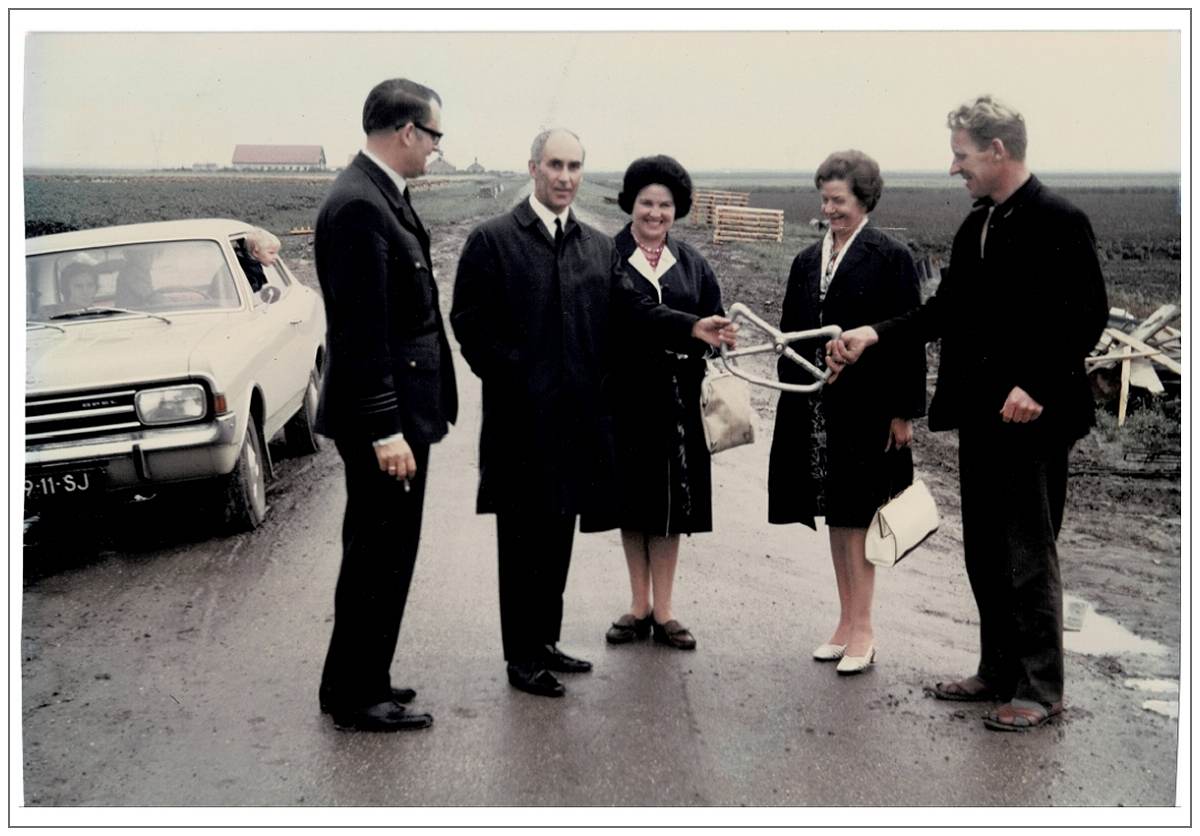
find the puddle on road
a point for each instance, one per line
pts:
(1100, 635)
(1167, 708)
(1154, 686)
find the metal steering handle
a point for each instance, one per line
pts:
(778, 346)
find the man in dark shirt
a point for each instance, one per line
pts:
(1023, 271)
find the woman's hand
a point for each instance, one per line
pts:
(900, 434)
(716, 330)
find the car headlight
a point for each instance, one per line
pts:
(171, 404)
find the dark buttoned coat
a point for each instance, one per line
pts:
(388, 367)
(1025, 316)
(663, 461)
(875, 280)
(537, 326)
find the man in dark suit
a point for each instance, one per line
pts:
(537, 300)
(1023, 271)
(388, 393)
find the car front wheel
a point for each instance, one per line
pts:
(299, 434)
(245, 489)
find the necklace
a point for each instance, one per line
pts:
(651, 250)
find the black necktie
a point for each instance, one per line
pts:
(407, 198)
(558, 234)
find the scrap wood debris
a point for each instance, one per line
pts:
(1144, 350)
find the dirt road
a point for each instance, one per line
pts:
(173, 668)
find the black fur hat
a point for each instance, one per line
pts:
(662, 170)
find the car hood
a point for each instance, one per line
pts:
(115, 351)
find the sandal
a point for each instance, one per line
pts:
(674, 634)
(971, 689)
(627, 628)
(1021, 715)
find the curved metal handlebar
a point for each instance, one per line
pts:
(779, 346)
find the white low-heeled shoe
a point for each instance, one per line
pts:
(829, 652)
(856, 664)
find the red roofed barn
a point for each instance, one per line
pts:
(279, 158)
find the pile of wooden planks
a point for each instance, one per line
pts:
(706, 201)
(1144, 349)
(741, 223)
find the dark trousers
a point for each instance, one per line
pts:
(1013, 493)
(380, 533)
(535, 554)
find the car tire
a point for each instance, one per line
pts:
(245, 489)
(298, 433)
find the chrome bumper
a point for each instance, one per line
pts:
(150, 456)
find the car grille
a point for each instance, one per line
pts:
(79, 415)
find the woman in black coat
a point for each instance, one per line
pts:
(665, 482)
(843, 452)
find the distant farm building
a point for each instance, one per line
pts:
(475, 167)
(440, 166)
(279, 158)
(204, 166)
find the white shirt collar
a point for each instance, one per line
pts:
(388, 170)
(547, 217)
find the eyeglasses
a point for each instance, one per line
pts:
(435, 135)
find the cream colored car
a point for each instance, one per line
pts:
(154, 359)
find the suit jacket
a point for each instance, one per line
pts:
(875, 280)
(388, 366)
(537, 327)
(1026, 315)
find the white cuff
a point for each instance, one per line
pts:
(379, 442)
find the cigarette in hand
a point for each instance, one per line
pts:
(407, 488)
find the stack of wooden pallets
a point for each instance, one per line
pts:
(1143, 349)
(742, 223)
(706, 201)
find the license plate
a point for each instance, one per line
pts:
(63, 483)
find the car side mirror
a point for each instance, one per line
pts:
(270, 294)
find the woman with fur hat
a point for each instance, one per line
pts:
(665, 479)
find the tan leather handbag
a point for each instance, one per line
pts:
(725, 410)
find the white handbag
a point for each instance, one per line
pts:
(725, 410)
(901, 524)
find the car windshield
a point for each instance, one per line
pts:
(171, 276)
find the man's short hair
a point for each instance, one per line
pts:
(986, 119)
(394, 103)
(539, 144)
(859, 172)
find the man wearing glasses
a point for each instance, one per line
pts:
(388, 392)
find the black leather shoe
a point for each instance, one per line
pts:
(629, 628)
(555, 660)
(387, 716)
(535, 679)
(402, 695)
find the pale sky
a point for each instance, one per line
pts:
(1093, 100)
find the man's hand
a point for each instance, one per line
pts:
(1019, 408)
(900, 434)
(716, 330)
(847, 348)
(396, 459)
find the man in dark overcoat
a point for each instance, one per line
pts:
(538, 299)
(387, 394)
(1023, 271)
